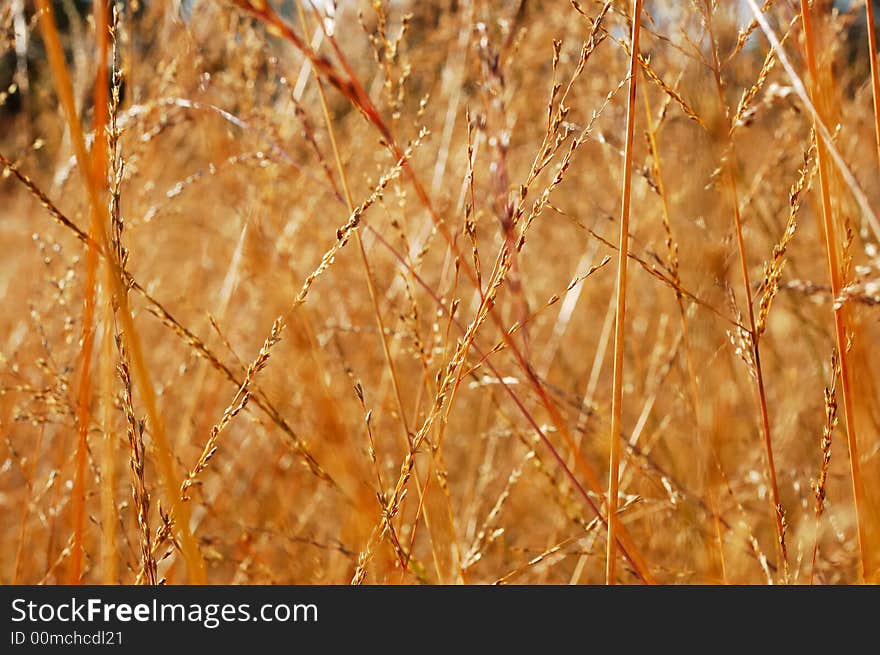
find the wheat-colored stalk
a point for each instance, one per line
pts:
(620, 309)
(820, 101)
(751, 338)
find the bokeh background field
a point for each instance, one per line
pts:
(354, 175)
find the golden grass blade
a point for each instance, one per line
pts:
(98, 163)
(620, 318)
(820, 100)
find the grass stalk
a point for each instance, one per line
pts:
(620, 310)
(99, 172)
(729, 166)
(820, 101)
(100, 220)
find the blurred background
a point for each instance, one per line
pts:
(382, 440)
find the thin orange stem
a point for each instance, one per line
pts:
(620, 319)
(374, 297)
(83, 404)
(776, 508)
(831, 249)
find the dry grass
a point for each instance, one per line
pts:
(303, 295)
